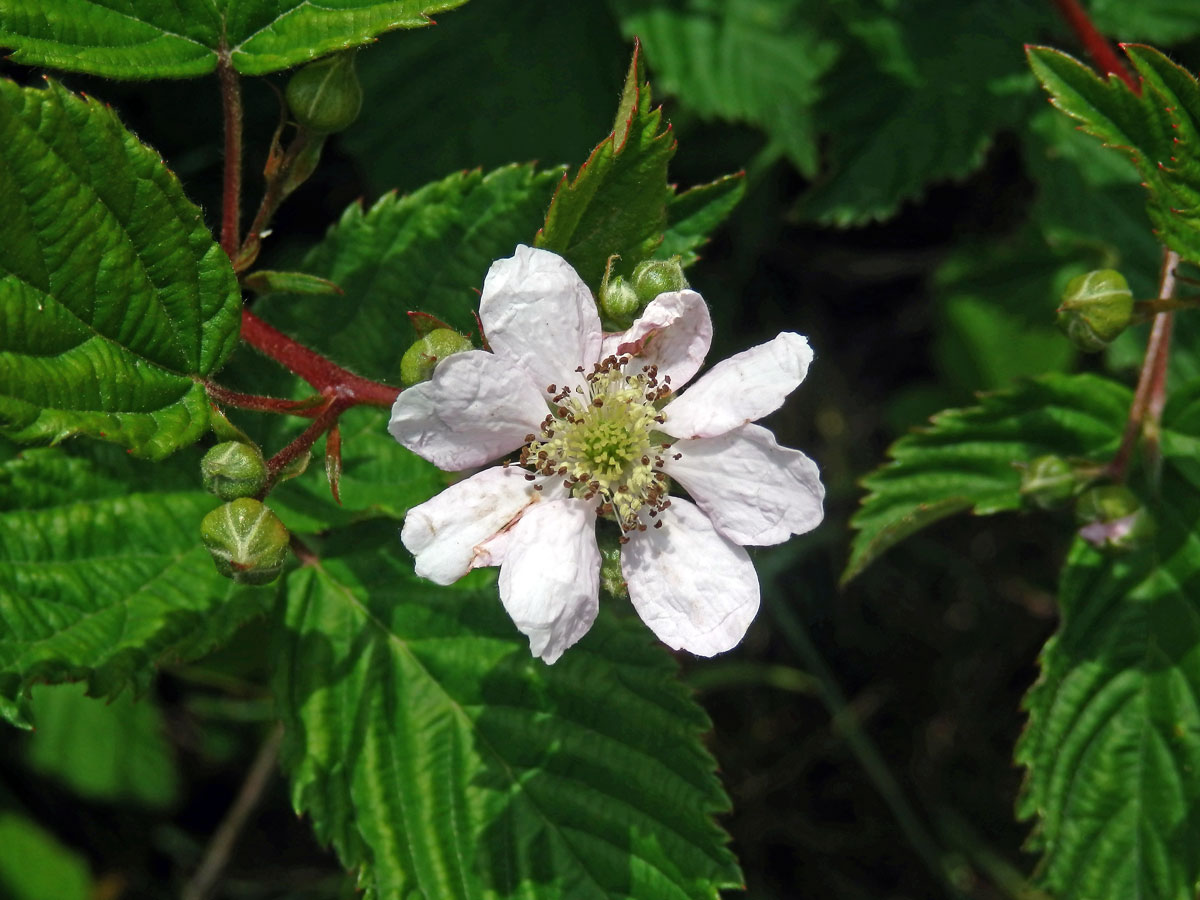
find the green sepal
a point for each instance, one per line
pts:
(265, 281)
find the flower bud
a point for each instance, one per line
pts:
(247, 541)
(652, 277)
(422, 357)
(1049, 481)
(1113, 519)
(233, 469)
(325, 95)
(1095, 308)
(619, 303)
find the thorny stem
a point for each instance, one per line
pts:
(259, 403)
(1097, 46)
(326, 420)
(339, 389)
(231, 106)
(221, 847)
(1145, 412)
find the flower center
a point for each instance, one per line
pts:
(601, 440)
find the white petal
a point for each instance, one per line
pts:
(755, 491)
(740, 389)
(445, 534)
(674, 333)
(539, 314)
(550, 580)
(694, 588)
(476, 408)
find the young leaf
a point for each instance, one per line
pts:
(98, 584)
(693, 215)
(142, 39)
(443, 761)
(1112, 748)
(617, 202)
(103, 750)
(743, 61)
(428, 251)
(967, 458)
(1158, 128)
(114, 300)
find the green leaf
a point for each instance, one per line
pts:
(1155, 21)
(428, 251)
(967, 458)
(109, 751)
(114, 300)
(99, 583)
(1159, 129)
(145, 39)
(950, 78)
(546, 118)
(752, 61)
(443, 761)
(34, 865)
(617, 202)
(693, 215)
(1112, 748)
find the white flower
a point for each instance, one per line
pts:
(602, 433)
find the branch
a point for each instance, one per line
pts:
(231, 194)
(223, 840)
(1150, 395)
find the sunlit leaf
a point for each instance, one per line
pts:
(97, 583)
(441, 759)
(114, 299)
(146, 39)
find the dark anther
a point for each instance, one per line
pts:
(530, 477)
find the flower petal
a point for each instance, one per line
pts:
(446, 534)
(693, 587)
(537, 313)
(476, 408)
(740, 389)
(550, 579)
(755, 491)
(674, 333)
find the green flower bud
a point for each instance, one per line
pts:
(422, 357)
(233, 469)
(1113, 519)
(1049, 481)
(247, 541)
(652, 277)
(1095, 308)
(619, 303)
(325, 95)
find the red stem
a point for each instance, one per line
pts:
(322, 423)
(1150, 395)
(323, 374)
(231, 106)
(309, 408)
(1096, 44)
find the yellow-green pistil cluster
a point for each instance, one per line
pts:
(602, 441)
